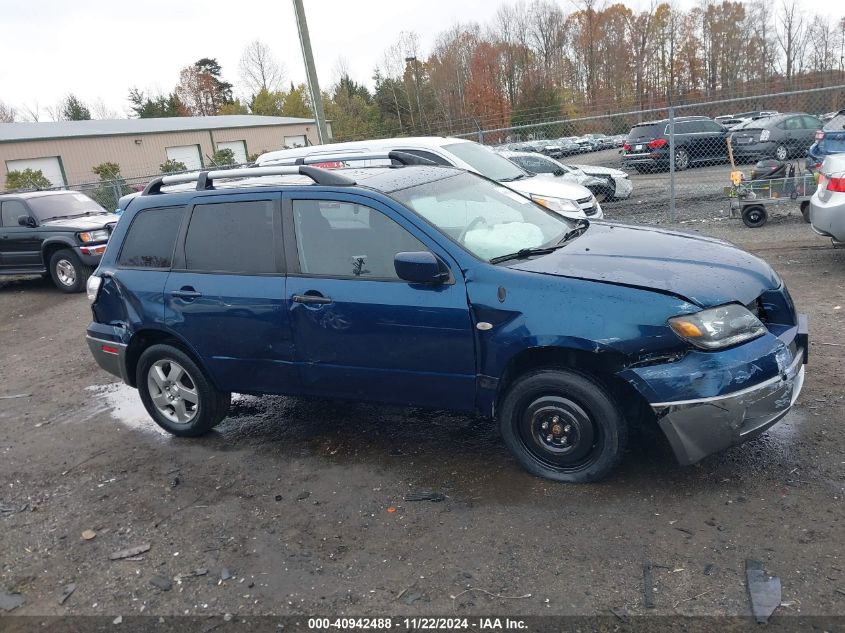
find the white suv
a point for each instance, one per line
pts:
(567, 198)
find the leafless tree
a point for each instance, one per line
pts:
(7, 113)
(32, 112)
(100, 110)
(260, 70)
(55, 111)
(791, 36)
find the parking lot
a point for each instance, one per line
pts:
(299, 506)
(699, 190)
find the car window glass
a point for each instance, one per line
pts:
(710, 126)
(794, 123)
(64, 205)
(232, 237)
(537, 165)
(11, 210)
(151, 237)
(343, 239)
(811, 123)
(683, 127)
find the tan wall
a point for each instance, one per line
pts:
(79, 155)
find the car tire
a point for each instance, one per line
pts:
(681, 159)
(781, 152)
(177, 394)
(563, 425)
(805, 211)
(754, 216)
(68, 272)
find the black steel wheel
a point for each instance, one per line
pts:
(754, 216)
(563, 425)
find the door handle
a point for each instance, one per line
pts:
(312, 299)
(186, 292)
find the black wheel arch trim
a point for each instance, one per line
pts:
(162, 333)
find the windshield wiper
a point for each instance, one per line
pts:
(580, 226)
(526, 252)
(517, 177)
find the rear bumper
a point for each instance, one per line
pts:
(698, 428)
(109, 355)
(754, 150)
(828, 217)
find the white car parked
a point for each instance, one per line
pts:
(567, 198)
(607, 184)
(827, 206)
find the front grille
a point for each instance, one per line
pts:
(587, 205)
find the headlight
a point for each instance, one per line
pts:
(561, 205)
(764, 136)
(718, 327)
(94, 236)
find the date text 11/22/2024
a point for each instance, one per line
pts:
(418, 623)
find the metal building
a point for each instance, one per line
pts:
(66, 151)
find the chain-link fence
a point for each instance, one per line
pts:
(647, 165)
(678, 160)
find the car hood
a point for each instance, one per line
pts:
(704, 271)
(83, 223)
(549, 186)
(604, 171)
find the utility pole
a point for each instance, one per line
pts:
(310, 71)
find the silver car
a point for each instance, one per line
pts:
(827, 206)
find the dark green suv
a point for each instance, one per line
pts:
(60, 233)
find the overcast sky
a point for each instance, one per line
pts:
(101, 48)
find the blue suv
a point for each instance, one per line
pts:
(429, 286)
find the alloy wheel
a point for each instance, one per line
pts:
(66, 272)
(173, 391)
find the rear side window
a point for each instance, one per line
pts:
(795, 123)
(151, 237)
(711, 127)
(811, 123)
(232, 237)
(646, 132)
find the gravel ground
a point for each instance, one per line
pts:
(297, 506)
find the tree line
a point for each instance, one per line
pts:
(532, 62)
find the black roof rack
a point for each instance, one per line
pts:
(205, 179)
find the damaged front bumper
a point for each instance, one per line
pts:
(701, 427)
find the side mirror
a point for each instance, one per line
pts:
(26, 220)
(420, 267)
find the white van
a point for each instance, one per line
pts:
(567, 198)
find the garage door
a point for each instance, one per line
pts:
(295, 141)
(238, 149)
(50, 166)
(187, 154)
